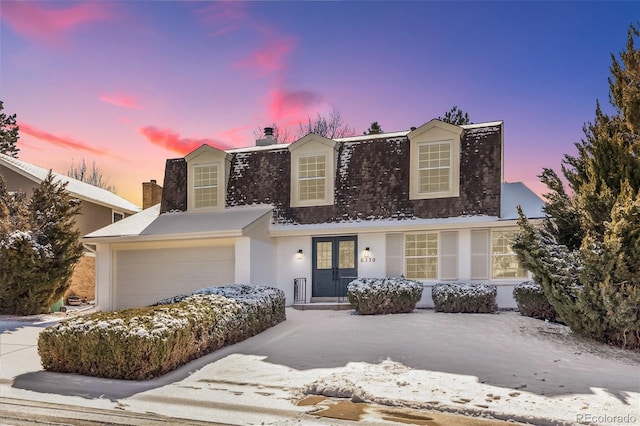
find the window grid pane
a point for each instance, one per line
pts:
(421, 256)
(205, 186)
(312, 178)
(504, 262)
(324, 255)
(434, 167)
(346, 254)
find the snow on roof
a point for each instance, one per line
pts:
(390, 135)
(478, 125)
(75, 187)
(406, 224)
(150, 223)
(516, 194)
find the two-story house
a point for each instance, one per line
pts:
(430, 204)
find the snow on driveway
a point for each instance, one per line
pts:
(504, 366)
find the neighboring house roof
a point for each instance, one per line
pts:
(150, 224)
(77, 188)
(516, 194)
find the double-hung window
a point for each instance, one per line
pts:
(205, 185)
(421, 256)
(434, 167)
(313, 171)
(504, 261)
(434, 151)
(312, 177)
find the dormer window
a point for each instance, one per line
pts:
(313, 169)
(312, 178)
(434, 167)
(205, 185)
(435, 161)
(208, 170)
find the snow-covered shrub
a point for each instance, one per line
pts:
(372, 296)
(532, 302)
(464, 297)
(143, 343)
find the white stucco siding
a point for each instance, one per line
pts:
(143, 277)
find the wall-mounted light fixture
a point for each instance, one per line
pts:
(366, 256)
(299, 254)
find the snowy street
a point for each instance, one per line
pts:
(500, 366)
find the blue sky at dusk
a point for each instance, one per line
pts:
(128, 84)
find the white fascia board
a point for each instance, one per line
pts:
(390, 226)
(230, 233)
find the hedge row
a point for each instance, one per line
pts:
(372, 296)
(464, 297)
(143, 343)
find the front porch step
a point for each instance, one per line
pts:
(325, 306)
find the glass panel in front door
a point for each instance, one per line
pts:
(324, 255)
(346, 254)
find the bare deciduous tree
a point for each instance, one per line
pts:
(332, 126)
(93, 177)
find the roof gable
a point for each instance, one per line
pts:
(207, 151)
(312, 138)
(77, 188)
(435, 126)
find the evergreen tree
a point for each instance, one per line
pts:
(587, 252)
(8, 133)
(455, 116)
(39, 247)
(374, 129)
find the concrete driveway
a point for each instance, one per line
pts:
(504, 366)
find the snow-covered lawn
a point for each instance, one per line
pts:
(505, 366)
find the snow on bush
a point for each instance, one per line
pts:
(372, 296)
(143, 343)
(532, 302)
(464, 297)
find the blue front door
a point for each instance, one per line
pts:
(334, 265)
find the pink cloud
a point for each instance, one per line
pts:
(44, 23)
(292, 105)
(63, 142)
(121, 100)
(172, 141)
(271, 57)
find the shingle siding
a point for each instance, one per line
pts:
(371, 182)
(174, 194)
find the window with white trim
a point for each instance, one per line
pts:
(421, 256)
(205, 185)
(434, 167)
(116, 216)
(313, 170)
(504, 261)
(312, 178)
(207, 177)
(434, 171)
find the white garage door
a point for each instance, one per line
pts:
(146, 276)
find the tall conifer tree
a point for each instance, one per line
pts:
(587, 252)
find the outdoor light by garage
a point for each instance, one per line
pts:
(299, 254)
